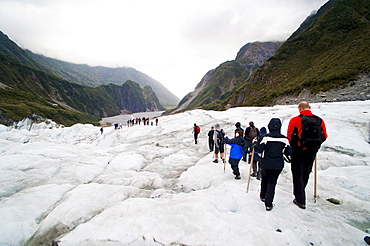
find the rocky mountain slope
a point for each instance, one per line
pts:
(220, 82)
(95, 76)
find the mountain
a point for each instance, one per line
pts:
(131, 97)
(84, 74)
(220, 82)
(26, 90)
(95, 76)
(329, 52)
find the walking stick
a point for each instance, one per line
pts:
(315, 181)
(225, 158)
(250, 170)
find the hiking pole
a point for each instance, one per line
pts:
(225, 158)
(315, 181)
(250, 170)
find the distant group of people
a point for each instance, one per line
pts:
(268, 151)
(132, 122)
(144, 120)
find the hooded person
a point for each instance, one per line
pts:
(219, 142)
(256, 160)
(274, 148)
(238, 128)
(263, 131)
(236, 152)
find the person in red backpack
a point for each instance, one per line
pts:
(196, 131)
(302, 157)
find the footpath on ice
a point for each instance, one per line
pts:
(151, 185)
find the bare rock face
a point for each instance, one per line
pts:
(357, 90)
(257, 52)
(5, 120)
(228, 75)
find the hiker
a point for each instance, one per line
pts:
(211, 142)
(196, 131)
(256, 160)
(236, 151)
(218, 137)
(156, 122)
(250, 133)
(273, 147)
(303, 155)
(101, 130)
(238, 128)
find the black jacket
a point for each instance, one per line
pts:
(273, 147)
(210, 134)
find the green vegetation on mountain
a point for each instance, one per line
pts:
(332, 51)
(27, 87)
(95, 76)
(219, 83)
(222, 81)
(25, 91)
(21, 94)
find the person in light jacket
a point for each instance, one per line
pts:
(218, 138)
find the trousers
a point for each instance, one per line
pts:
(301, 162)
(268, 184)
(234, 163)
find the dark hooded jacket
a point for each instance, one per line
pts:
(273, 147)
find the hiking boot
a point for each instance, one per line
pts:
(223, 160)
(215, 161)
(254, 174)
(302, 206)
(268, 208)
(237, 177)
(262, 199)
(367, 239)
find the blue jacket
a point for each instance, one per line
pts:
(237, 147)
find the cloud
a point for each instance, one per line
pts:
(175, 42)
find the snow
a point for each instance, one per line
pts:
(151, 185)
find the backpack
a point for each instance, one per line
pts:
(220, 137)
(197, 129)
(252, 133)
(311, 136)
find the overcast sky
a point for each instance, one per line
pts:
(175, 42)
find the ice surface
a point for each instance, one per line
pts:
(151, 185)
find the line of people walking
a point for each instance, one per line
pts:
(145, 120)
(269, 151)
